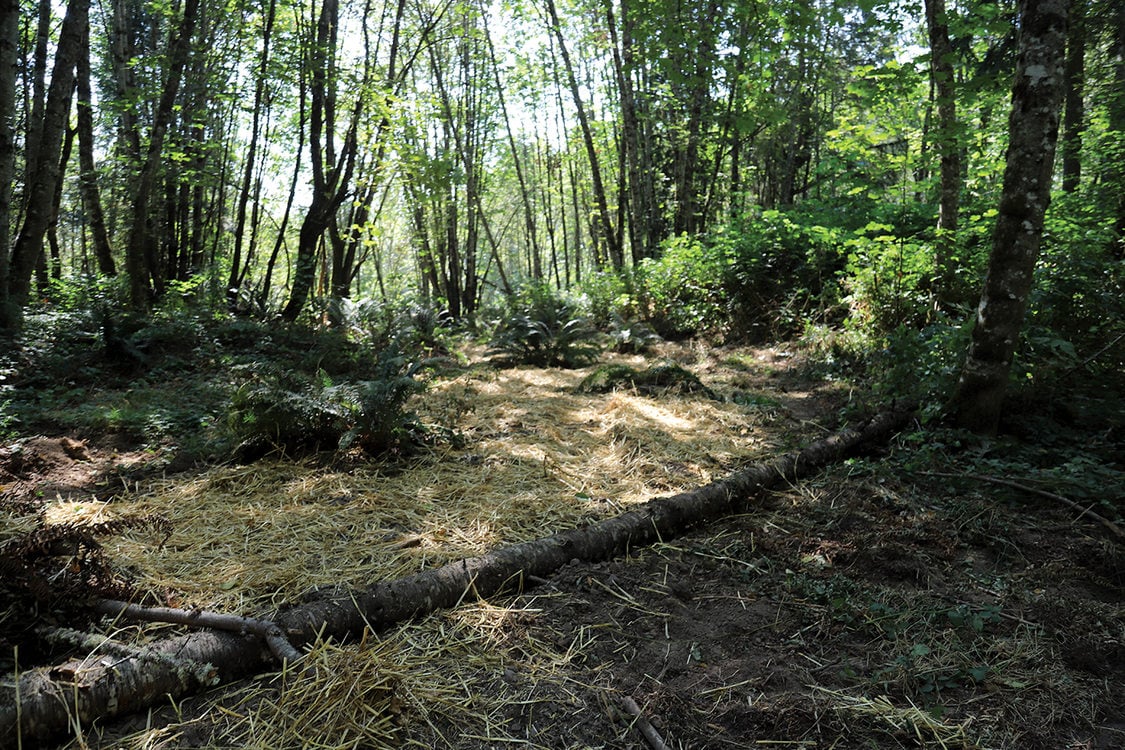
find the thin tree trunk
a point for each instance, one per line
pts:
(525, 194)
(88, 179)
(949, 148)
(9, 54)
(1117, 123)
(35, 121)
(29, 244)
(234, 277)
(139, 261)
(54, 267)
(609, 234)
(1032, 134)
(1075, 110)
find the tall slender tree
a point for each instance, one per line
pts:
(1075, 109)
(9, 54)
(45, 175)
(88, 177)
(139, 254)
(948, 146)
(606, 226)
(1032, 135)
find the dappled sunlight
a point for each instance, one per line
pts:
(534, 457)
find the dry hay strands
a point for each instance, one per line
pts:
(41, 704)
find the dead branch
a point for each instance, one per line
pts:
(1035, 491)
(647, 730)
(199, 618)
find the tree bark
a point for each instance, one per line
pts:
(1075, 110)
(948, 146)
(138, 255)
(616, 254)
(51, 699)
(1032, 134)
(1117, 124)
(46, 159)
(9, 54)
(88, 179)
(234, 278)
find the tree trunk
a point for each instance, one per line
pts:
(139, 260)
(235, 276)
(9, 54)
(1032, 133)
(948, 146)
(517, 162)
(46, 160)
(111, 686)
(1074, 84)
(1117, 124)
(616, 255)
(88, 180)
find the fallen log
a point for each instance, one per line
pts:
(44, 703)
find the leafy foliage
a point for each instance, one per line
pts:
(278, 409)
(659, 378)
(545, 330)
(681, 292)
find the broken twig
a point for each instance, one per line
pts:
(647, 730)
(1035, 491)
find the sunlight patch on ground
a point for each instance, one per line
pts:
(534, 457)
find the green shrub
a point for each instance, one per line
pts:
(681, 291)
(780, 275)
(287, 410)
(607, 296)
(544, 330)
(888, 279)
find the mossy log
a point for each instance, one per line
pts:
(47, 702)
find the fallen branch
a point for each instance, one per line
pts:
(643, 725)
(199, 618)
(50, 701)
(1035, 491)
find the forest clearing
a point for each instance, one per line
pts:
(562, 374)
(897, 599)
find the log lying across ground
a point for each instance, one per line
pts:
(45, 703)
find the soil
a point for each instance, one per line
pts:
(865, 609)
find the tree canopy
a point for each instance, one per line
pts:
(741, 169)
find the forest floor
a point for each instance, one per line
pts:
(897, 600)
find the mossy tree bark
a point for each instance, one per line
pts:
(52, 700)
(1033, 128)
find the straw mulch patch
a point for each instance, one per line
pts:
(537, 458)
(856, 610)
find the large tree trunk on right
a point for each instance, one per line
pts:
(1033, 131)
